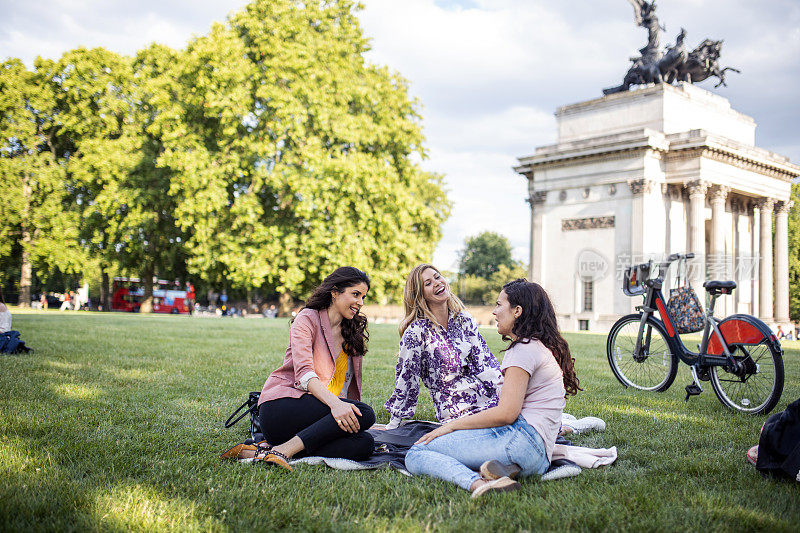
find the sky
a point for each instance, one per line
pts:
(488, 74)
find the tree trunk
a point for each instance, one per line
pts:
(147, 299)
(25, 270)
(285, 304)
(105, 296)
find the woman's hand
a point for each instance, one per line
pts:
(345, 415)
(438, 432)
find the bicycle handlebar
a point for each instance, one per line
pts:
(663, 266)
(675, 257)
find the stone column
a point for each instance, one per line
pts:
(765, 206)
(697, 234)
(782, 262)
(639, 189)
(717, 265)
(717, 197)
(536, 265)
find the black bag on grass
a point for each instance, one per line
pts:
(250, 406)
(10, 343)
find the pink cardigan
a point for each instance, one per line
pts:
(311, 349)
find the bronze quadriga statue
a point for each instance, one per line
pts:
(673, 64)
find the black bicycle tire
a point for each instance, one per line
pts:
(775, 394)
(619, 373)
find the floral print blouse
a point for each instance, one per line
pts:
(456, 366)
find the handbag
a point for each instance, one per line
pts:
(684, 307)
(250, 406)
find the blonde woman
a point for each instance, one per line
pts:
(440, 345)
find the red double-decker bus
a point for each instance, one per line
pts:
(127, 295)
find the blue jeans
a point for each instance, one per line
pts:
(457, 456)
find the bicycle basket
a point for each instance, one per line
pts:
(634, 278)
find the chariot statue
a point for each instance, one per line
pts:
(674, 63)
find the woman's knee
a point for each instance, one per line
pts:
(363, 446)
(413, 459)
(367, 418)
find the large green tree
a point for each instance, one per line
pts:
(34, 213)
(296, 155)
(264, 155)
(96, 101)
(109, 107)
(484, 254)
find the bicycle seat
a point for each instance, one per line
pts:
(719, 287)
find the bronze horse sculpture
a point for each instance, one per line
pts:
(653, 66)
(666, 68)
(701, 64)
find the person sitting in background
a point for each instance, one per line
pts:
(441, 346)
(5, 318)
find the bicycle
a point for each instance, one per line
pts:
(739, 355)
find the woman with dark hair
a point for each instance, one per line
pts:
(516, 437)
(311, 403)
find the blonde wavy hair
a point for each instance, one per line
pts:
(415, 305)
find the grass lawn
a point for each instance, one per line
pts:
(115, 423)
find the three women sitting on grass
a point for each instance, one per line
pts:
(310, 404)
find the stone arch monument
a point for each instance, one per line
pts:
(640, 174)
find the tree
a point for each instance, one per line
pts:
(34, 213)
(296, 155)
(150, 240)
(794, 254)
(484, 254)
(96, 101)
(264, 155)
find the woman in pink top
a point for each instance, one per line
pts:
(518, 435)
(311, 404)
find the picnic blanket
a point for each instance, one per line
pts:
(391, 446)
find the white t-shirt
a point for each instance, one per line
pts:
(544, 399)
(5, 318)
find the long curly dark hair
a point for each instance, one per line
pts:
(354, 331)
(538, 321)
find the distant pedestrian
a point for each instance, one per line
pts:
(43, 300)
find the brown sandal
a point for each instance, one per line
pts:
(237, 451)
(275, 458)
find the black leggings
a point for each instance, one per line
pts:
(311, 420)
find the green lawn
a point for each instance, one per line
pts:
(115, 423)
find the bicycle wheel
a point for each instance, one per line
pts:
(654, 368)
(756, 385)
